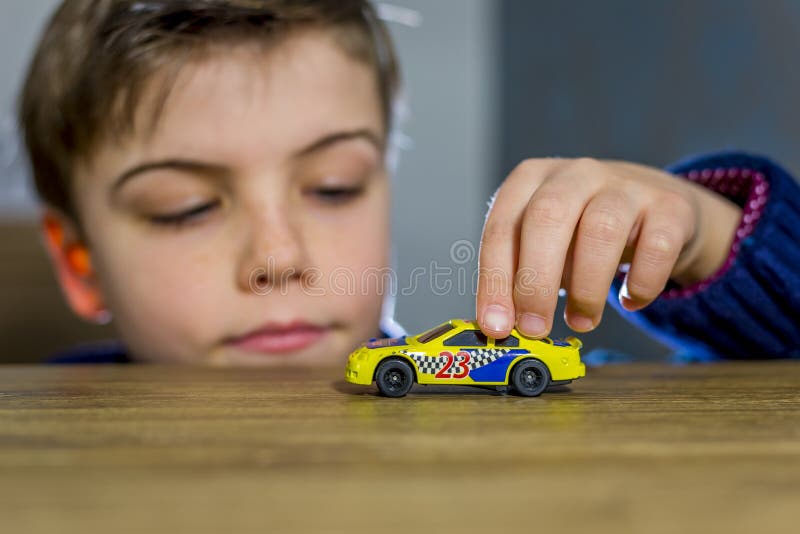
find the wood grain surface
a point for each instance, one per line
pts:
(634, 448)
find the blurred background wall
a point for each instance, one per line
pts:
(20, 23)
(489, 83)
(650, 82)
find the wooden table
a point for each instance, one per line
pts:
(634, 448)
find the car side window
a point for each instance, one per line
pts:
(433, 333)
(467, 338)
(509, 341)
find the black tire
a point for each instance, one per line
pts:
(394, 377)
(530, 378)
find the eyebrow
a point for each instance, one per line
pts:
(189, 166)
(337, 137)
(213, 169)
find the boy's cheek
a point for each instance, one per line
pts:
(163, 308)
(176, 304)
(162, 289)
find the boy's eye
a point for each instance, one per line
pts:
(185, 216)
(336, 195)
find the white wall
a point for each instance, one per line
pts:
(20, 24)
(444, 179)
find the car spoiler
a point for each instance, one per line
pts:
(574, 342)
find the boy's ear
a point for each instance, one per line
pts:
(73, 267)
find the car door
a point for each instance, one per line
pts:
(455, 360)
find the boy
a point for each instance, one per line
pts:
(208, 167)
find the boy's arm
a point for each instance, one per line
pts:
(750, 307)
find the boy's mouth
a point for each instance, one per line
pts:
(279, 339)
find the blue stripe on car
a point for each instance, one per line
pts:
(496, 371)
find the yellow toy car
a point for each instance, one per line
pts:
(457, 352)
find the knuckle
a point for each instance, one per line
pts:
(547, 209)
(604, 225)
(659, 246)
(584, 172)
(530, 284)
(675, 204)
(493, 283)
(585, 298)
(673, 198)
(586, 166)
(526, 165)
(496, 230)
(525, 169)
(585, 162)
(617, 199)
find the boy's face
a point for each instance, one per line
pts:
(240, 229)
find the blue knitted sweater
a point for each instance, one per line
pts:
(752, 310)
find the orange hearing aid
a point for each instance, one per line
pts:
(54, 231)
(78, 259)
(77, 256)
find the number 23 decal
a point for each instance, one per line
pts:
(456, 366)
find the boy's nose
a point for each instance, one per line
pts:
(274, 254)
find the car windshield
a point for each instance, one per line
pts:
(433, 333)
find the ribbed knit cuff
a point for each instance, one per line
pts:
(749, 189)
(751, 307)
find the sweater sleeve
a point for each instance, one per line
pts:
(750, 308)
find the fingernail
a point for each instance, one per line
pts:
(496, 317)
(624, 296)
(579, 323)
(532, 325)
(627, 303)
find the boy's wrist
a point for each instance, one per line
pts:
(731, 203)
(717, 221)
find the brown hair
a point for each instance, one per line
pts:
(95, 57)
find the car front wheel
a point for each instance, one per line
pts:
(394, 377)
(530, 378)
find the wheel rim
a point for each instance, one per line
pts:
(395, 379)
(531, 378)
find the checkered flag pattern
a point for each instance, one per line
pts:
(433, 364)
(427, 364)
(481, 357)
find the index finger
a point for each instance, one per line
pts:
(499, 249)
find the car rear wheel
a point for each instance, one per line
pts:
(394, 377)
(530, 378)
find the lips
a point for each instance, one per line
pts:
(279, 339)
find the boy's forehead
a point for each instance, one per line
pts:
(250, 101)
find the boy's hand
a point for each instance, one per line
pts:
(570, 223)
